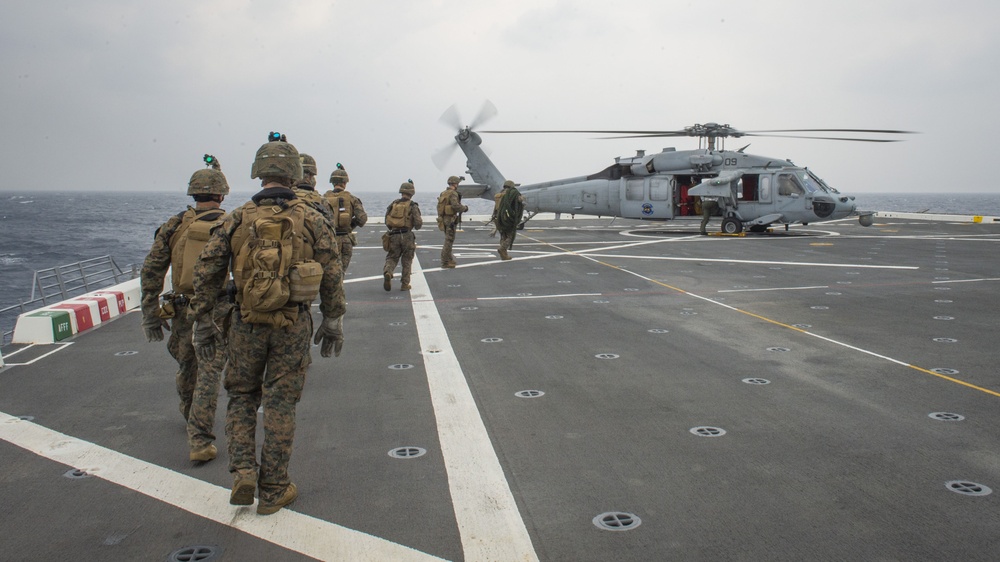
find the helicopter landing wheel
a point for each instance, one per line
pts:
(732, 226)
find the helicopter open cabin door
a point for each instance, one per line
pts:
(647, 198)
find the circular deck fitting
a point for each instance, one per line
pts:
(834, 294)
(941, 269)
(126, 353)
(592, 273)
(944, 317)
(689, 313)
(845, 282)
(397, 323)
(853, 273)
(567, 261)
(400, 366)
(617, 521)
(942, 288)
(601, 302)
(778, 349)
(564, 281)
(407, 452)
(553, 317)
(945, 340)
(802, 326)
(820, 307)
(945, 371)
(775, 268)
(76, 473)
(525, 294)
(741, 287)
(945, 301)
(455, 286)
(433, 351)
(198, 553)
(631, 290)
(942, 278)
(537, 268)
(756, 381)
(607, 356)
(968, 488)
(760, 276)
(708, 431)
(470, 308)
(529, 393)
(500, 275)
(658, 331)
(26, 418)
(491, 340)
(395, 298)
(946, 416)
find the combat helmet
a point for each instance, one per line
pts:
(339, 176)
(277, 158)
(210, 181)
(454, 180)
(308, 164)
(508, 184)
(407, 188)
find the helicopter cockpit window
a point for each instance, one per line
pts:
(807, 181)
(788, 185)
(821, 183)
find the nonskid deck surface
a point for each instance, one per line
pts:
(618, 391)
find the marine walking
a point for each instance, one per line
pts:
(449, 215)
(348, 213)
(508, 210)
(177, 245)
(283, 256)
(402, 217)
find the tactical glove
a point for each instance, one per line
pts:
(153, 326)
(205, 337)
(331, 333)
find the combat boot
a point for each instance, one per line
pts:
(204, 454)
(405, 287)
(243, 490)
(287, 498)
(449, 265)
(387, 284)
(503, 254)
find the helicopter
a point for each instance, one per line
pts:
(753, 192)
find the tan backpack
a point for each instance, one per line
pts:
(273, 268)
(342, 204)
(186, 245)
(399, 215)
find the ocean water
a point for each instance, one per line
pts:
(47, 229)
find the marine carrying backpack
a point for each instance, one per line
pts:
(186, 245)
(272, 269)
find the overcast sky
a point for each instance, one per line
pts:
(128, 95)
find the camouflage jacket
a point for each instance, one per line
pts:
(209, 274)
(415, 219)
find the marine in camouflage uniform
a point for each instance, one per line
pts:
(508, 209)
(197, 381)
(305, 189)
(268, 362)
(346, 239)
(449, 208)
(402, 240)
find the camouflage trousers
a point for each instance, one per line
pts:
(449, 241)
(507, 239)
(708, 208)
(268, 369)
(401, 246)
(346, 244)
(197, 383)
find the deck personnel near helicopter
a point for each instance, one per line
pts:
(402, 217)
(449, 213)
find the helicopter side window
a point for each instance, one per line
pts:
(634, 190)
(659, 190)
(788, 186)
(764, 191)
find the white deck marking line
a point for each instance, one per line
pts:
(966, 280)
(62, 346)
(301, 533)
(488, 519)
(516, 297)
(773, 289)
(752, 262)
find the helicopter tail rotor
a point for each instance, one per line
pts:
(451, 119)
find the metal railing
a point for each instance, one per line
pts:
(62, 282)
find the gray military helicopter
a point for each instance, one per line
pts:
(754, 192)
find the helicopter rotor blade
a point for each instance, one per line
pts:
(822, 138)
(451, 119)
(881, 131)
(442, 155)
(487, 112)
(577, 131)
